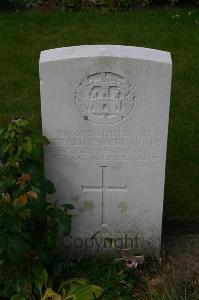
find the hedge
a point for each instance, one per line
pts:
(100, 4)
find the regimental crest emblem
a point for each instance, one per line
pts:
(104, 98)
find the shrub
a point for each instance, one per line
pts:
(31, 229)
(127, 4)
(20, 3)
(109, 4)
(74, 289)
(122, 4)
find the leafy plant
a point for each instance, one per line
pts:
(115, 5)
(21, 3)
(117, 280)
(31, 229)
(74, 289)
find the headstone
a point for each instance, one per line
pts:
(105, 110)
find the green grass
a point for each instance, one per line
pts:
(151, 281)
(24, 35)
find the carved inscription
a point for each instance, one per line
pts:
(108, 145)
(104, 98)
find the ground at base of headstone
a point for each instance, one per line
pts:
(175, 276)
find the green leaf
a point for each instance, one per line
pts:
(68, 206)
(50, 294)
(2, 130)
(17, 250)
(7, 183)
(88, 292)
(40, 139)
(6, 148)
(6, 135)
(18, 297)
(45, 140)
(40, 274)
(31, 169)
(49, 187)
(64, 222)
(52, 240)
(65, 284)
(40, 278)
(12, 134)
(80, 289)
(2, 244)
(37, 151)
(27, 145)
(12, 223)
(24, 123)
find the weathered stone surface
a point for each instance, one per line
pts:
(105, 110)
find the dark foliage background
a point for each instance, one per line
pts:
(100, 4)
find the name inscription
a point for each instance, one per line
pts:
(106, 145)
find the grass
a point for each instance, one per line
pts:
(24, 35)
(152, 281)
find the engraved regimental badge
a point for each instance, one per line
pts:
(104, 98)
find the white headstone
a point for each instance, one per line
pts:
(105, 110)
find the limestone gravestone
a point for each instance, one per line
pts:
(105, 110)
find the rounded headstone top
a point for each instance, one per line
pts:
(106, 51)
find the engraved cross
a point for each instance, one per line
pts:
(104, 188)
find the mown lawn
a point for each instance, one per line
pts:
(24, 35)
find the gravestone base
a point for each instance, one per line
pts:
(109, 246)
